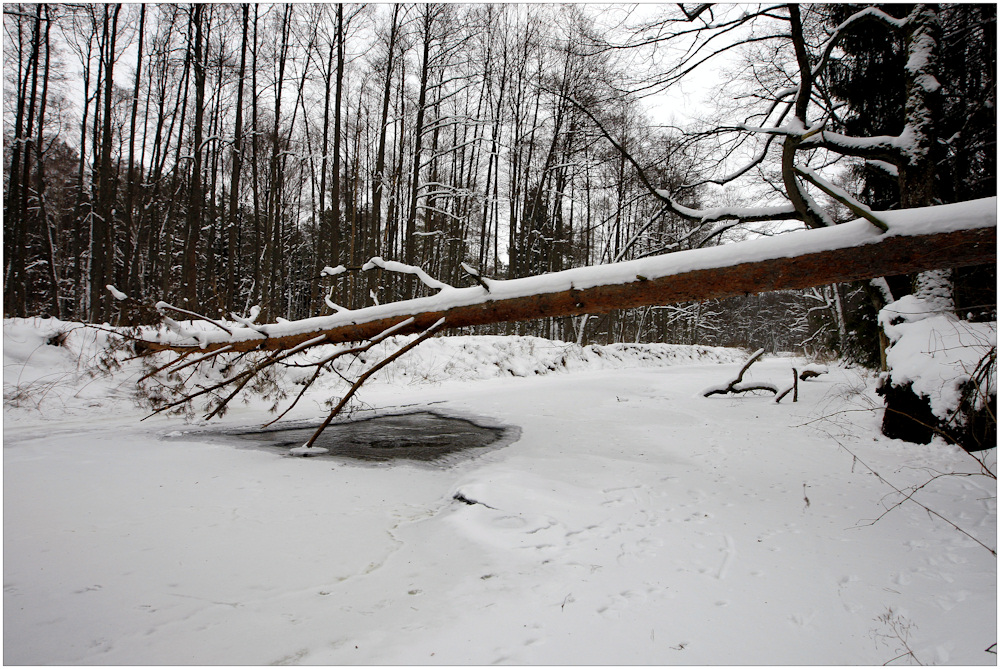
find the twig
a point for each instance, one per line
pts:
(270, 360)
(160, 369)
(329, 359)
(429, 332)
(186, 364)
(908, 498)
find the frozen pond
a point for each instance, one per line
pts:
(421, 436)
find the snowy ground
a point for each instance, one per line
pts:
(634, 521)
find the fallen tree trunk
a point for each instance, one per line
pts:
(918, 239)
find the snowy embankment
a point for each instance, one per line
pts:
(633, 522)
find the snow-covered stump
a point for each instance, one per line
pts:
(942, 376)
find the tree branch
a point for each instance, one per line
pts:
(429, 332)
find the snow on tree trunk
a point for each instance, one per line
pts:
(943, 375)
(947, 236)
(947, 402)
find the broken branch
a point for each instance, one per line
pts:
(364, 377)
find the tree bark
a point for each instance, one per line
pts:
(189, 273)
(102, 244)
(234, 184)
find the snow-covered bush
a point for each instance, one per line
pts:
(942, 377)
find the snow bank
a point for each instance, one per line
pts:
(45, 359)
(486, 356)
(53, 361)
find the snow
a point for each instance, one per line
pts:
(928, 220)
(936, 352)
(814, 368)
(633, 522)
(117, 294)
(307, 451)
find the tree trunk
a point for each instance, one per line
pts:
(131, 232)
(325, 242)
(620, 286)
(46, 231)
(102, 244)
(334, 224)
(378, 179)
(14, 224)
(189, 272)
(234, 182)
(409, 253)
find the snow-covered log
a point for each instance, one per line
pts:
(953, 235)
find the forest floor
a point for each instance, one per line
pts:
(633, 521)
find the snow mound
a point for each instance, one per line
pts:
(938, 353)
(54, 361)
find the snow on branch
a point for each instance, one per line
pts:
(250, 322)
(117, 294)
(333, 271)
(888, 148)
(393, 266)
(333, 305)
(388, 265)
(841, 196)
(474, 273)
(888, 168)
(162, 306)
(866, 14)
(744, 214)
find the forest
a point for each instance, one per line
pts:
(219, 157)
(722, 285)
